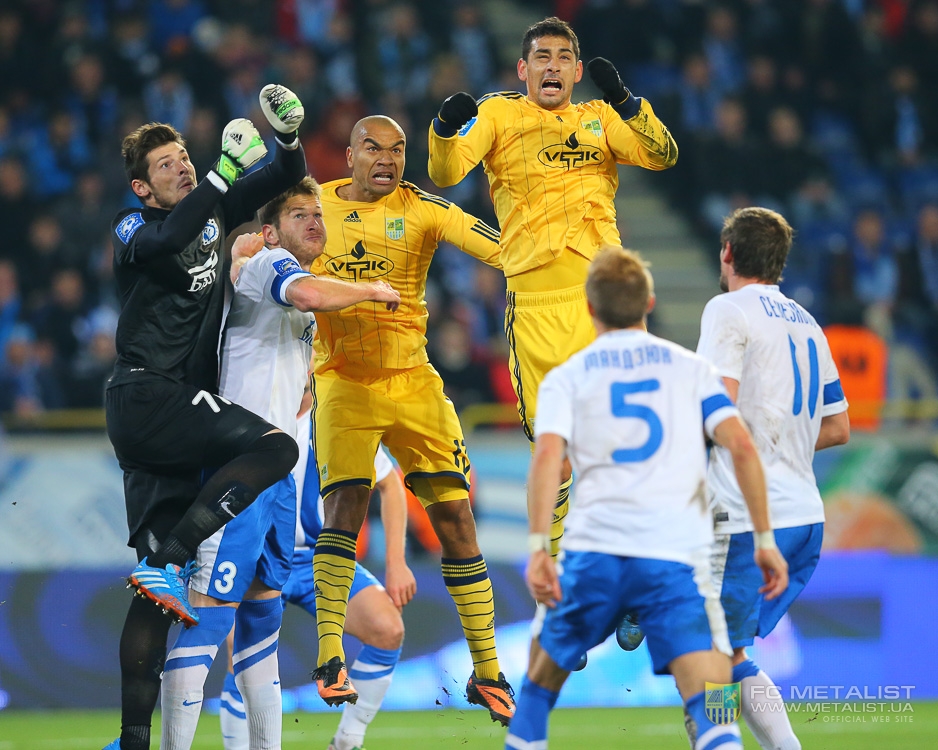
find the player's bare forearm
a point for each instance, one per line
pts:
(318, 294)
(733, 435)
(543, 481)
(835, 430)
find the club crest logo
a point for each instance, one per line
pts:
(722, 702)
(595, 127)
(209, 232)
(394, 228)
(128, 226)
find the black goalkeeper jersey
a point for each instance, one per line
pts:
(169, 268)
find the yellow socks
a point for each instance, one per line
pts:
(333, 572)
(468, 583)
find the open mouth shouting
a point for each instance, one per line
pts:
(384, 178)
(551, 86)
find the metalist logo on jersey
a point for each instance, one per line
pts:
(721, 702)
(594, 126)
(394, 228)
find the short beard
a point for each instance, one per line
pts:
(724, 284)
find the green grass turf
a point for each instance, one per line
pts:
(571, 729)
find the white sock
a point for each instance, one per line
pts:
(234, 722)
(765, 714)
(257, 670)
(187, 666)
(371, 674)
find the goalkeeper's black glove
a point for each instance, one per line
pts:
(455, 112)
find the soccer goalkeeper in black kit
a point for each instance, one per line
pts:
(164, 417)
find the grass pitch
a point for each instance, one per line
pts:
(570, 729)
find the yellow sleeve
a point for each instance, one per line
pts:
(642, 140)
(471, 235)
(453, 158)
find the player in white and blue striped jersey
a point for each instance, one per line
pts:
(631, 411)
(266, 349)
(776, 365)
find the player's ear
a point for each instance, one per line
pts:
(726, 254)
(269, 233)
(579, 72)
(522, 70)
(348, 156)
(141, 189)
(651, 303)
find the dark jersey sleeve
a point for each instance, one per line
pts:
(154, 239)
(252, 191)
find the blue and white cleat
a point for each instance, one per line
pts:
(115, 745)
(166, 587)
(629, 634)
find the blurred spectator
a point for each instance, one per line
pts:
(728, 164)
(203, 140)
(297, 68)
(17, 207)
(340, 59)
(94, 363)
(28, 381)
(92, 102)
(85, 212)
(39, 259)
(131, 61)
(919, 44)
(313, 19)
(474, 43)
(169, 98)
(791, 168)
(325, 148)
(721, 47)
(56, 154)
(172, 22)
(761, 94)
(19, 60)
(876, 274)
(60, 319)
(465, 375)
(10, 304)
(404, 53)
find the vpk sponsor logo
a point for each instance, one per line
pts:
(570, 155)
(359, 265)
(203, 276)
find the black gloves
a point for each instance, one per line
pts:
(607, 80)
(455, 112)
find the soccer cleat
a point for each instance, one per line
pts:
(333, 683)
(332, 746)
(629, 634)
(166, 587)
(495, 695)
(581, 664)
(115, 745)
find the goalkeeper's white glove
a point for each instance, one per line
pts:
(241, 148)
(283, 110)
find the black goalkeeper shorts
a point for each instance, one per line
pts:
(166, 435)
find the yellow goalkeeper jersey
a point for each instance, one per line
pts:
(393, 240)
(552, 173)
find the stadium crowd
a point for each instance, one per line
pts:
(823, 109)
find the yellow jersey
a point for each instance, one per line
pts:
(392, 239)
(552, 173)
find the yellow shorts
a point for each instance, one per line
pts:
(407, 411)
(544, 330)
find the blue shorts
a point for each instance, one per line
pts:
(299, 589)
(676, 607)
(257, 543)
(738, 579)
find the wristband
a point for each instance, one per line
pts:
(764, 539)
(538, 543)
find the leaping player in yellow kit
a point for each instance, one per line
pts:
(552, 171)
(373, 382)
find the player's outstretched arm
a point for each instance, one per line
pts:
(471, 235)
(452, 158)
(644, 140)
(733, 435)
(316, 294)
(399, 578)
(543, 481)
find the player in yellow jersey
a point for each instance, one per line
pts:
(552, 171)
(373, 382)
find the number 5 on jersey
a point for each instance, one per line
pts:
(621, 408)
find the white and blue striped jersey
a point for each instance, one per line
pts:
(309, 510)
(633, 409)
(787, 383)
(267, 343)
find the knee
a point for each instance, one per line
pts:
(282, 450)
(389, 632)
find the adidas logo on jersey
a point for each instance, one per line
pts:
(353, 217)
